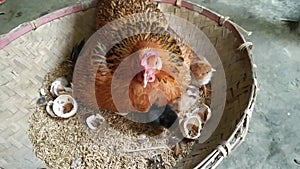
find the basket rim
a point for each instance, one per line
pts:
(30, 26)
(238, 136)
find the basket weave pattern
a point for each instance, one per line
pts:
(23, 65)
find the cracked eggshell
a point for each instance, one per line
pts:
(49, 109)
(65, 106)
(65, 90)
(94, 121)
(190, 127)
(204, 113)
(55, 88)
(59, 87)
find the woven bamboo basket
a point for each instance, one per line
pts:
(33, 49)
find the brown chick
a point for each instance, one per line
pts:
(202, 71)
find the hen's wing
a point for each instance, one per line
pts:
(86, 77)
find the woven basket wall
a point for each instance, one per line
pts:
(30, 51)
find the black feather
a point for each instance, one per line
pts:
(166, 118)
(75, 52)
(292, 23)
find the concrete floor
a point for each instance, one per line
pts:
(274, 139)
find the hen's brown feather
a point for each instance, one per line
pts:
(162, 91)
(138, 33)
(110, 10)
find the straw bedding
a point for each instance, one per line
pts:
(119, 143)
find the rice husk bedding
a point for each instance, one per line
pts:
(117, 143)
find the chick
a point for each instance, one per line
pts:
(202, 73)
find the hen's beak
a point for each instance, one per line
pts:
(146, 78)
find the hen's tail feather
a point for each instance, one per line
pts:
(75, 52)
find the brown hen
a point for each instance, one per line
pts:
(151, 64)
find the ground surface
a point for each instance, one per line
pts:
(274, 138)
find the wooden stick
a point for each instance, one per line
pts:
(146, 149)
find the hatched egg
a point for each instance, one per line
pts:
(49, 109)
(65, 106)
(191, 126)
(94, 121)
(204, 112)
(58, 87)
